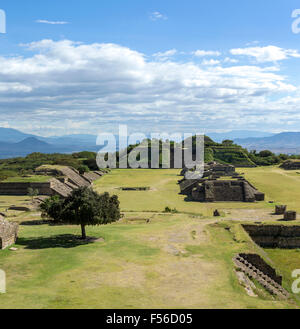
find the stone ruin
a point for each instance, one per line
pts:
(220, 190)
(8, 233)
(215, 169)
(218, 169)
(135, 189)
(290, 215)
(291, 165)
(274, 236)
(62, 181)
(254, 267)
(280, 209)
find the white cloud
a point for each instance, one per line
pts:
(203, 53)
(210, 62)
(44, 21)
(166, 54)
(230, 60)
(156, 15)
(68, 87)
(266, 54)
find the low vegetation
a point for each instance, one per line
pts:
(225, 152)
(20, 168)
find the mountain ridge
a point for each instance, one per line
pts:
(14, 143)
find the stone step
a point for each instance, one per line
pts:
(268, 283)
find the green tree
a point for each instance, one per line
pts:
(52, 208)
(83, 169)
(265, 154)
(32, 192)
(227, 142)
(85, 207)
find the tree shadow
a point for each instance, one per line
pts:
(49, 222)
(56, 241)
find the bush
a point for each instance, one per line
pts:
(169, 210)
(83, 169)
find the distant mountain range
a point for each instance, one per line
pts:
(287, 142)
(14, 143)
(237, 134)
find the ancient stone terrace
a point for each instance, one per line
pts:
(65, 180)
(275, 236)
(291, 165)
(221, 191)
(215, 169)
(218, 169)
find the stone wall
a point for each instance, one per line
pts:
(275, 236)
(22, 188)
(67, 180)
(291, 165)
(8, 233)
(223, 191)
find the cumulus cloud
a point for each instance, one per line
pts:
(156, 15)
(266, 54)
(68, 87)
(203, 53)
(44, 21)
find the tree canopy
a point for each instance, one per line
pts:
(83, 207)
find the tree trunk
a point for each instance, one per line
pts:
(83, 234)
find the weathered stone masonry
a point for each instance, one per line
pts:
(8, 233)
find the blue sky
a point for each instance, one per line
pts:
(88, 66)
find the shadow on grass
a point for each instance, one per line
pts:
(56, 241)
(41, 222)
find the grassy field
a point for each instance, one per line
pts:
(149, 259)
(164, 192)
(280, 186)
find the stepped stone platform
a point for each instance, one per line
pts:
(291, 165)
(215, 169)
(64, 180)
(220, 190)
(92, 176)
(8, 233)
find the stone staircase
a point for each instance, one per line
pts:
(74, 177)
(60, 188)
(269, 284)
(91, 176)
